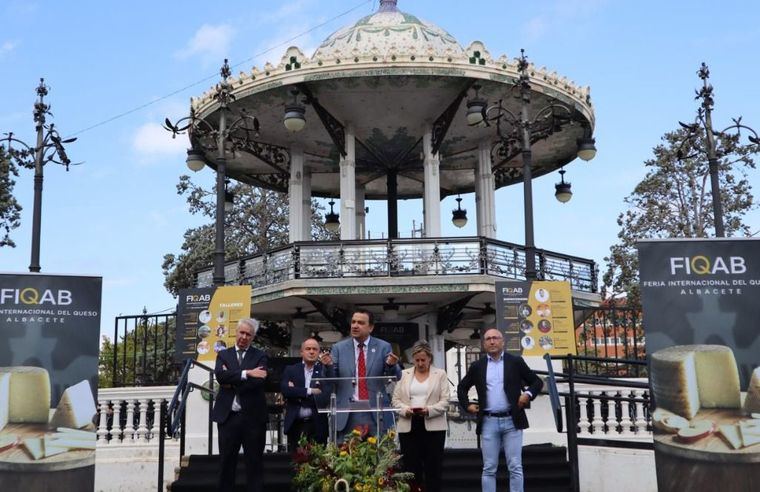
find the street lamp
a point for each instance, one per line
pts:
(332, 220)
(49, 148)
(563, 190)
(519, 131)
(206, 140)
(704, 119)
(459, 215)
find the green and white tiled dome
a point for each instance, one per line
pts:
(389, 31)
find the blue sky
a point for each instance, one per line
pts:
(118, 214)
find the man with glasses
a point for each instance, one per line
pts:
(499, 379)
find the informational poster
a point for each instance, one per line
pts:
(701, 312)
(536, 317)
(49, 336)
(207, 320)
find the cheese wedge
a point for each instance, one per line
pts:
(29, 398)
(5, 399)
(76, 433)
(686, 378)
(750, 432)
(69, 443)
(752, 402)
(730, 433)
(76, 408)
(7, 441)
(34, 447)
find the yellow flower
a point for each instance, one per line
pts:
(344, 453)
(381, 481)
(372, 440)
(356, 432)
(391, 434)
(358, 486)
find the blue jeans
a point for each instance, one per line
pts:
(498, 433)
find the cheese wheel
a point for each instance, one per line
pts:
(29, 398)
(686, 378)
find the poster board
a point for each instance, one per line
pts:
(50, 330)
(701, 313)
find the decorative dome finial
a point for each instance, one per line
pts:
(388, 6)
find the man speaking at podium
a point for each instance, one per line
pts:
(240, 410)
(359, 357)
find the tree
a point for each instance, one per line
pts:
(144, 355)
(674, 200)
(257, 223)
(10, 210)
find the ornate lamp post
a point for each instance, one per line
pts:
(704, 119)
(521, 131)
(49, 148)
(206, 139)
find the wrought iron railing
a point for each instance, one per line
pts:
(141, 352)
(614, 334)
(401, 258)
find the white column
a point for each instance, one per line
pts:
(103, 422)
(297, 336)
(360, 214)
(479, 214)
(295, 195)
(348, 188)
(306, 190)
(487, 184)
(432, 198)
(116, 422)
(129, 427)
(141, 434)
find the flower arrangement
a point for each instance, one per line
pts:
(361, 464)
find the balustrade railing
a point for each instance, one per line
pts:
(402, 257)
(131, 415)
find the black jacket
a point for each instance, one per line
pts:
(517, 375)
(250, 392)
(296, 397)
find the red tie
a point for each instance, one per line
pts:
(362, 370)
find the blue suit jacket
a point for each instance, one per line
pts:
(296, 397)
(344, 365)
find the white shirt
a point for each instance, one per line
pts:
(243, 376)
(305, 412)
(418, 393)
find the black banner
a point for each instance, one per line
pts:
(49, 335)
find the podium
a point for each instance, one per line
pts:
(376, 403)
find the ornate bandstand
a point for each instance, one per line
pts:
(394, 108)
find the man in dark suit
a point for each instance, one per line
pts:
(240, 410)
(499, 379)
(359, 357)
(304, 396)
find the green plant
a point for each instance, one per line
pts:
(360, 464)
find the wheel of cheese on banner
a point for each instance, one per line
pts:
(686, 378)
(752, 403)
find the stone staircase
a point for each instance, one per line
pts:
(545, 467)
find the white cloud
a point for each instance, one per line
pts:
(7, 47)
(287, 10)
(535, 28)
(211, 43)
(153, 142)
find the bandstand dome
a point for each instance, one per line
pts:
(386, 93)
(384, 32)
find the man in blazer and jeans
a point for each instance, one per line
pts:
(240, 410)
(499, 379)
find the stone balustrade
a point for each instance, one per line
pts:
(130, 415)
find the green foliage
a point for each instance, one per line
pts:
(148, 344)
(10, 210)
(674, 200)
(257, 223)
(361, 463)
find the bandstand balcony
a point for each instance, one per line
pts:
(401, 258)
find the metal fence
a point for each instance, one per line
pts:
(613, 333)
(401, 258)
(141, 352)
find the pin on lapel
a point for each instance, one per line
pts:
(373, 351)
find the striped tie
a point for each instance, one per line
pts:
(362, 372)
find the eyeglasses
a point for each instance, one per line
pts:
(488, 339)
